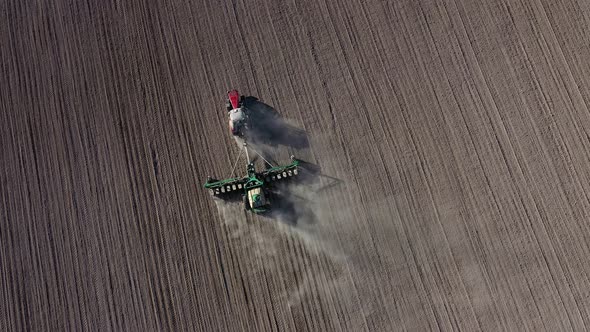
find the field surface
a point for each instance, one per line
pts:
(447, 143)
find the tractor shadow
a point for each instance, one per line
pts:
(296, 203)
(311, 175)
(268, 127)
(292, 210)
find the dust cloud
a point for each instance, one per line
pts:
(318, 213)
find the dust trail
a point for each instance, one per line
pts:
(270, 238)
(260, 242)
(301, 216)
(339, 256)
(282, 225)
(232, 217)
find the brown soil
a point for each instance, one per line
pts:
(456, 133)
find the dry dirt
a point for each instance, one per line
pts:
(457, 134)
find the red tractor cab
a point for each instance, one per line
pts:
(234, 100)
(236, 112)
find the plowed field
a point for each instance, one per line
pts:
(449, 143)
